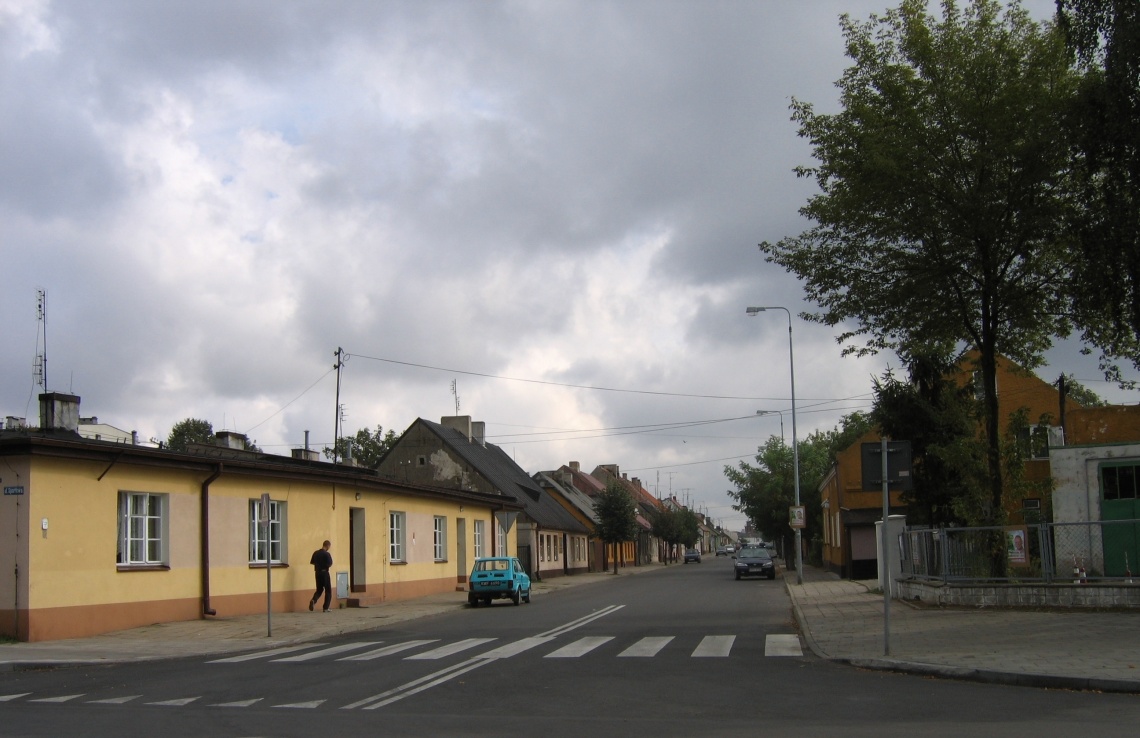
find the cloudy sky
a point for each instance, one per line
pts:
(554, 205)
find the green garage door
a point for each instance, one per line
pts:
(1120, 500)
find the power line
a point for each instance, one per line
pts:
(578, 386)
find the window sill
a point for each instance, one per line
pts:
(142, 567)
(398, 563)
(440, 561)
(273, 565)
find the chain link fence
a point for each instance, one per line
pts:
(1102, 551)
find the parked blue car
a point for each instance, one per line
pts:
(495, 578)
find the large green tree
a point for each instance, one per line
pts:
(943, 191)
(1105, 36)
(190, 430)
(366, 447)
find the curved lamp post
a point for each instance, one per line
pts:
(795, 440)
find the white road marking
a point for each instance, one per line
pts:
(579, 647)
(304, 705)
(239, 703)
(10, 697)
(647, 647)
(387, 650)
(449, 649)
(62, 698)
(714, 646)
(331, 650)
(783, 645)
(264, 654)
(513, 649)
(114, 700)
(175, 703)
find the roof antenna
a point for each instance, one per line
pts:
(39, 367)
(455, 394)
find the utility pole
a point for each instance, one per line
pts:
(339, 354)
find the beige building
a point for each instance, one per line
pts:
(100, 536)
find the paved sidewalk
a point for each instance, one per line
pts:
(1065, 649)
(251, 632)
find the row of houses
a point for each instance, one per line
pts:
(101, 533)
(1080, 453)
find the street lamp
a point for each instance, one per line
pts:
(769, 412)
(795, 440)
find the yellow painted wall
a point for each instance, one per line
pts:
(71, 584)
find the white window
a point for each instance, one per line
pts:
(396, 529)
(276, 539)
(557, 546)
(478, 539)
(501, 543)
(439, 538)
(142, 529)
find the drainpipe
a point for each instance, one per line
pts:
(205, 507)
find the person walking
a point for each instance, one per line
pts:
(322, 562)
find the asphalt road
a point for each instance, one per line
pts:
(680, 652)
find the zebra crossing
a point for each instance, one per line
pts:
(648, 647)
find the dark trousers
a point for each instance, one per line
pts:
(323, 585)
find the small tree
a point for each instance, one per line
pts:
(188, 431)
(617, 516)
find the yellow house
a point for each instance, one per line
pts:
(100, 536)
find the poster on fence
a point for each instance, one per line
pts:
(1017, 546)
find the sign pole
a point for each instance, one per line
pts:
(886, 555)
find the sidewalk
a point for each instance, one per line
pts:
(251, 632)
(1070, 649)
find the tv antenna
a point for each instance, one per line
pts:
(455, 394)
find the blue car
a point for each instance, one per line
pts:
(498, 577)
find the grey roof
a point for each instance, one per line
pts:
(509, 478)
(572, 495)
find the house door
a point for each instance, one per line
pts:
(357, 550)
(1120, 500)
(461, 550)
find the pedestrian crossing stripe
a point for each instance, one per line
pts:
(782, 645)
(646, 647)
(580, 647)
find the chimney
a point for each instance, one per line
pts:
(479, 432)
(461, 423)
(230, 439)
(14, 423)
(306, 454)
(575, 466)
(59, 412)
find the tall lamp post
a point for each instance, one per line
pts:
(795, 440)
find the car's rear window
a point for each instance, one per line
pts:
(493, 565)
(754, 553)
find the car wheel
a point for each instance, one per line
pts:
(772, 575)
(526, 597)
(738, 576)
(472, 600)
(515, 596)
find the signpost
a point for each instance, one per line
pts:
(894, 469)
(263, 519)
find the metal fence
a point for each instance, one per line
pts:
(1102, 551)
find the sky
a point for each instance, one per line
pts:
(545, 213)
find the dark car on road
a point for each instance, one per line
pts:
(754, 561)
(692, 554)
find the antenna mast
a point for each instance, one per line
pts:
(39, 367)
(339, 354)
(455, 394)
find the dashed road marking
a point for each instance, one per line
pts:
(647, 647)
(714, 647)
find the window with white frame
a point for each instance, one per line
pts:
(397, 526)
(541, 547)
(257, 533)
(501, 543)
(557, 546)
(439, 538)
(478, 536)
(143, 529)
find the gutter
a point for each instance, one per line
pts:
(205, 541)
